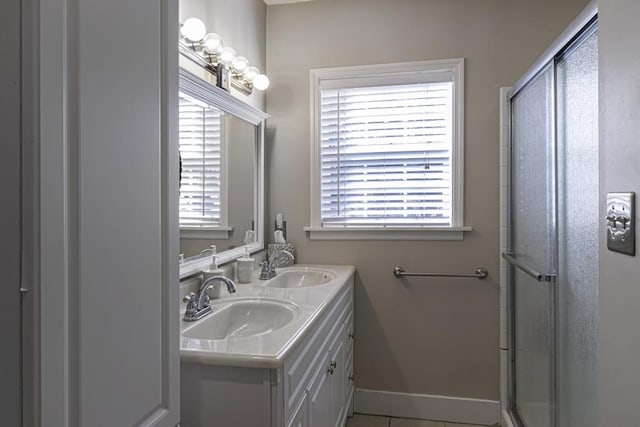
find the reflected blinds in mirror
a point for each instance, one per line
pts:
(200, 136)
(386, 154)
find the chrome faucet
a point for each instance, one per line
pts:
(268, 267)
(198, 304)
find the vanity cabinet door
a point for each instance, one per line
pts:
(350, 384)
(320, 395)
(300, 417)
(328, 389)
(350, 387)
(338, 378)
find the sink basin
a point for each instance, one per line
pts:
(241, 318)
(302, 277)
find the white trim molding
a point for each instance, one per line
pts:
(505, 133)
(197, 87)
(387, 74)
(218, 233)
(427, 407)
(386, 233)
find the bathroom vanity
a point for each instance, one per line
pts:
(275, 353)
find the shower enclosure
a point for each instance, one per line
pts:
(552, 227)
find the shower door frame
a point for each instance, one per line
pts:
(581, 28)
(543, 278)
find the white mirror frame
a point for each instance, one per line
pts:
(194, 86)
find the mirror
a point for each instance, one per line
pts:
(221, 176)
(217, 153)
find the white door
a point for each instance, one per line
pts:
(107, 217)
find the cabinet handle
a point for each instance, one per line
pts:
(332, 367)
(351, 336)
(351, 377)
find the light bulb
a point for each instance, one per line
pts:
(250, 73)
(193, 29)
(261, 82)
(227, 55)
(212, 43)
(240, 63)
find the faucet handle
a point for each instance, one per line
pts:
(206, 298)
(191, 312)
(267, 272)
(191, 296)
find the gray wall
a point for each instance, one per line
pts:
(426, 336)
(619, 160)
(241, 24)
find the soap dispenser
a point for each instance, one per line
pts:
(213, 270)
(245, 267)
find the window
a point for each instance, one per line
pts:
(387, 151)
(201, 136)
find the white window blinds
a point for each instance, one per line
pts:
(200, 134)
(386, 155)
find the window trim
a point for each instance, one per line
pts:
(399, 73)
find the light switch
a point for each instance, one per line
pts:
(621, 223)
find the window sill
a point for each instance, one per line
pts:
(387, 233)
(218, 233)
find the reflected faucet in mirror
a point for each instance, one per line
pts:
(269, 268)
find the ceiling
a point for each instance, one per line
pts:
(271, 2)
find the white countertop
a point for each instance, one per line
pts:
(268, 350)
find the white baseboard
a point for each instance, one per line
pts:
(427, 407)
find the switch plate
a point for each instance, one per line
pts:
(621, 223)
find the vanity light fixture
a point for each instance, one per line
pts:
(240, 64)
(227, 55)
(193, 30)
(223, 61)
(251, 73)
(261, 82)
(212, 44)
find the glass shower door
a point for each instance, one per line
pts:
(578, 233)
(553, 231)
(533, 252)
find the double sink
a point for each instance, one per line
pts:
(263, 318)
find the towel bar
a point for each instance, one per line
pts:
(481, 273)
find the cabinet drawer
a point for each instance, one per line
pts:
(306, 358)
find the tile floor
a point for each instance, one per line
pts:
(361, 420)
